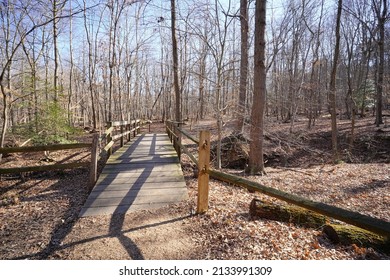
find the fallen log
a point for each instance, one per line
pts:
(336, 233)
(288, 213)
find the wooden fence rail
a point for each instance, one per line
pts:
(118, 130)
(56, 147)
(377, 226)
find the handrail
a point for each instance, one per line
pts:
(59, 166)
(127, 128)
(171, 127)
(189, 136)
(42, 148)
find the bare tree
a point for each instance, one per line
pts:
(92, 61)
(175, 63)
(316, 43)
(56, 9)
(256, 157)
(381, 12)
(243, 64)
(332, 86)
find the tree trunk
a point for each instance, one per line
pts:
(243, 65)
(315, 64)
(256, 158)
(55, 45)
(70, 122)
(382, 17)
(91, 70)
(175, 63)
(332, 86)
(5, 118)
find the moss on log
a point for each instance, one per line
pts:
(347, 235)
(288, 213)
(337, 233)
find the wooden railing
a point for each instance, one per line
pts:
(56, 147)
(123, 131)
(118, 130)
(377, 226)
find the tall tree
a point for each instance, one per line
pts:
(243, 64)
(332, 86)
(381, 11)
(256, 158)
(92, 61)
(175, 63)
(116, 9)
(57, 7)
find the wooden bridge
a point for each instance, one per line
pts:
(143, 174)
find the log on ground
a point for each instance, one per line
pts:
(287, 213)
(347, 235)
(336, 233)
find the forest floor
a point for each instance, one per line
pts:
(39, 212)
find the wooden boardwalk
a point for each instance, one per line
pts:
(143, 174)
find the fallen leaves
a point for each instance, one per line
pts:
(227, 231)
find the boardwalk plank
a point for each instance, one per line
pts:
(133, 178)
(137, 192)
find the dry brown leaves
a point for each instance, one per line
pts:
(37, 209)
(227, 231)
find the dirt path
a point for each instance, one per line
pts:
(159, 234)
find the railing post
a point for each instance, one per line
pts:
(174, 139)
(128, 128)
(109, 139)
(203, 176)
(166, 129)
(171, 128)
(94, 160)
(122, 137)
(178, 148)
(134, 127)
